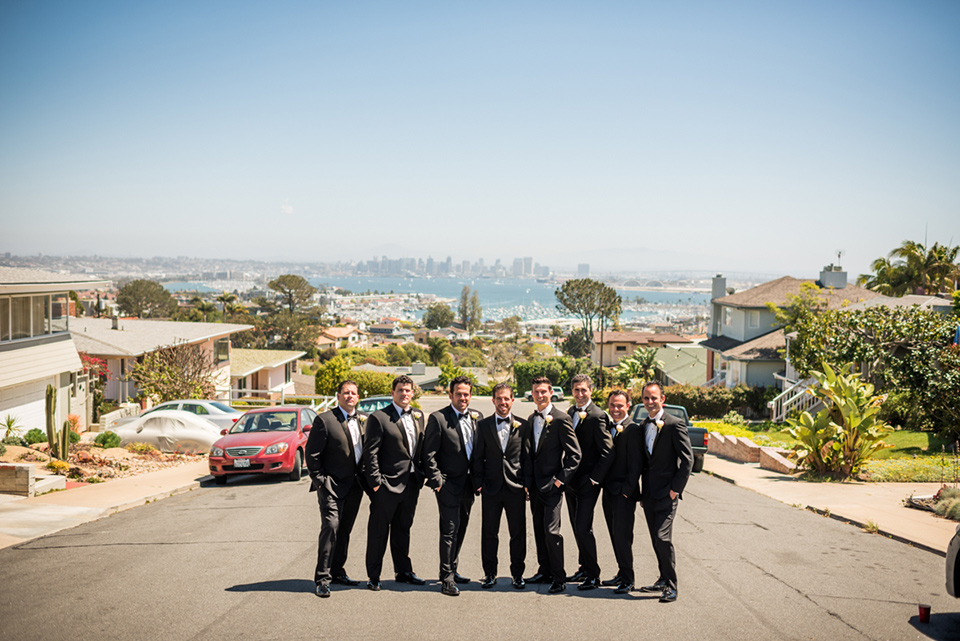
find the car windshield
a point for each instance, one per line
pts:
(223, 406)
(266, 422)
(373, 404)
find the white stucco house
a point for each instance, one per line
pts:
(36, 348)
(263, 373)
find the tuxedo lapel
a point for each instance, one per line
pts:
(398, 421)
(346, 428)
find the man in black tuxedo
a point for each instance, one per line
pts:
(391, 466)
(596, 450)
(551, 455)
(497, 474)
(333, 454)
(448, 445)
(669, 459)
(621, 488)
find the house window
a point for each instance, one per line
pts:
(621, 348)
(727, 316)
(40, 320)
(221, 350)
(20, 317)
(30, 316)
(4, 319)
(59, 311)
(754, 317)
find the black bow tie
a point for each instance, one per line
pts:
(502, 420)
(349, 416)
(540, 414)
(406, 412)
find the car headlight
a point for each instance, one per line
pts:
(216, 451)
(277, 448)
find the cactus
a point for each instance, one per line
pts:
(63, 442)
(51, 408)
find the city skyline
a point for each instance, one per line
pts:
(734, 137)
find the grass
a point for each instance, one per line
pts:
(923, 469)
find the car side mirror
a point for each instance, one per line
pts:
(223, 432)
(306, 428)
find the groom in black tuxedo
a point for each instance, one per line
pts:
(667, 465)
(391, 466)
(448, 445)
(333, 454)
(551, 455)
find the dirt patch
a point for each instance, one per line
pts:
(94, 464)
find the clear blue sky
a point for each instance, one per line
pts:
(728, 136)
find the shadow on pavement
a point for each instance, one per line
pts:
(942, 627)
(283, 585)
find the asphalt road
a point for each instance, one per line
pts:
(236, 562)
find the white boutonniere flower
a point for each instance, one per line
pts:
(548, 418)
(362, 418)
(582, 414)
(473, 414)
(659, 424)
(516, 425)
(619, 428)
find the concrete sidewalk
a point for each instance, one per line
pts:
(859, 503)
(22, 519)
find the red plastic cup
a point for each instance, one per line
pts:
(924, 613)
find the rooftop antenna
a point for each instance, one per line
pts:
(840, 253)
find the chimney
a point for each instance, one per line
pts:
(719, 289)
(418, 369)
(115, 322)
(833, 277)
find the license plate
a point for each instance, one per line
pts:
(241, 462)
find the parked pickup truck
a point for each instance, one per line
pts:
(698, 436)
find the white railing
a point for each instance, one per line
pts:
(716, 380)
(269, 397)
(795, 398)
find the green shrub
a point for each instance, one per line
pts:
(74, 437)
(10, 439)
(373, 383)
(733, 418)
(35, 436)
(141, 448)
(107, 440)
(3, 449)
(559, 369)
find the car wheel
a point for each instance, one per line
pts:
(297, 467)
(220, 480)
(697, 462)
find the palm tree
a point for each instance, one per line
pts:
(913, 268)
(204, 307)
(642, 365)
(437, 348)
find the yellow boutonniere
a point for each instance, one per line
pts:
(473, 414)
(659, 425)
(362, 418)
(516, 424)
(582, 415)
(548, 418)
(619, 428)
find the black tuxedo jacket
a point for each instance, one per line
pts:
(555, 458)
(596, 446)
(387, 457)
(330, 453)
(445, 460)
(626, 466)
(494, 466)
(668, 467)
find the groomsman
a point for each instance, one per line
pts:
(333, 453)
(448, 445)
(669, 459)
(497, 474)
(621, 489)
(596, 448)
(550, 456)
(391, 466)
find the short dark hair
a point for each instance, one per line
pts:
(540, 380)
(499, 387)
(619, 392)
(461, 380)
(651, 383)
(581, 378)
(403, 379)
(345, 383)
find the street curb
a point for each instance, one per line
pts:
(188, 487)
(837, 517)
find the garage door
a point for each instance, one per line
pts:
(26, 403)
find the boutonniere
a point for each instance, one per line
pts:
(473, 415)
(659, 424)
(362, 418)
(548, 418)
(582, 414)
(515, 425)
(619, 428)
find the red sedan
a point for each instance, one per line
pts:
(266, 440)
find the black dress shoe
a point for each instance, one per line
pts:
(669, 595)
(459, 578)
(323, 591)
(556, 588)
(614, 581)
(411, 578)
(519, 583)
(589, 584)
(623, 588)
(577, 577)
(659, 586)
(343, 579)
(540, 577)
(373, 584)
(488, 582)
(450, 589)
